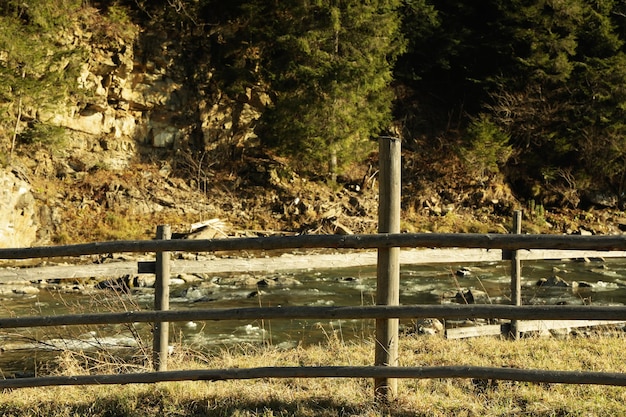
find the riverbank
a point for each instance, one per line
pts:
(348, 397)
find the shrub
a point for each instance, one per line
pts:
(43, 133)
(487, 147)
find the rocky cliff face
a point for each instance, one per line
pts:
(138, 107)
(142, 97)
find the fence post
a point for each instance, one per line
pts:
(516, 274)
(388, 268)
(161, 302)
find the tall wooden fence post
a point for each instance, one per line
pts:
(516, 274)
(161, 302)
(388, 270)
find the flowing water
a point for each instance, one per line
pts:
(600, 282)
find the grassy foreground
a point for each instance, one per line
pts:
(352, 397)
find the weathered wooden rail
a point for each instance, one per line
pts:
(310, 312)
(373, 241)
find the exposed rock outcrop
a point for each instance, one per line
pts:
(18, 225)
(137, 101)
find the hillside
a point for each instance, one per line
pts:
(145, 131)
(261, 196)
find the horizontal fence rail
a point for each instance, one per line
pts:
(372, 241)
(526, 312)
(477, 372)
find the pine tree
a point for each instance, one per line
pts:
(328, 64)
(549, 74)
(568, 114)
(35, 68)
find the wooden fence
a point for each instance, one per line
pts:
(510, 242)
(386, 312)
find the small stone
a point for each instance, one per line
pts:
(188, 278)
(26, 290)
(463, 272)
(553, 281)
(429, 327)
(472, 296)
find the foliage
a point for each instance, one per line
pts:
(329, 67)
(41, 14)
(42, 133)
(112, 25)
(581, 92)
(487, 147)
(38, 70)
(550, 73)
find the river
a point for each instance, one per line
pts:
(598, 282)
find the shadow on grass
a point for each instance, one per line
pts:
(156, 404)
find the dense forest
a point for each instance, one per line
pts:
(530, 92)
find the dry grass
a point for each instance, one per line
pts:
(353, 397)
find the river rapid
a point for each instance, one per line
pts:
(595, 281)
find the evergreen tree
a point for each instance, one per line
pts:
(549, 74)
(36, 69)
(456, 52)
(567, 114)
(328, 64)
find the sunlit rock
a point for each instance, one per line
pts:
(18, 226)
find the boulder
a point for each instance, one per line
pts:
(463, 272)
(279, 281)
(237, 280)
(189, 278)
(18, 226)
(472, 296)
(196, 294)
(118, 285)
(553, 281)
(26, 290)
(429, 327)
(144, 281)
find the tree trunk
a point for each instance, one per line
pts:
(17, 121)
(332, 165)
(17, 125)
